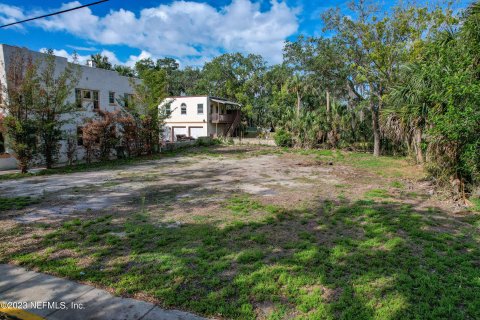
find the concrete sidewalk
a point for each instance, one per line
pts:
(36, 294)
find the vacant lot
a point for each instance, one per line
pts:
(250, 232)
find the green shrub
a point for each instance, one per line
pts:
(207, 141)
(283, 138)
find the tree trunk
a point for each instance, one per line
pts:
(418, 145)
(23, 166)
(48, 158)
(299, 103)
(328, 103)
(376, 129)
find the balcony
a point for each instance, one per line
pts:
(222, 118)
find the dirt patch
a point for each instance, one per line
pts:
(234, 218)
(331, 295)
(192, 185)
(264, 309)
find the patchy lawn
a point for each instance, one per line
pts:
(15, 203)
(250, 232)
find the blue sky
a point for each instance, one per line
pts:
(192, 31)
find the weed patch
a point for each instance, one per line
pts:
(15, 203)
(243, 205)
(377, 193)
(397, 184)
(250, 255)
(243, 256)
(366, 253)
(475, 204)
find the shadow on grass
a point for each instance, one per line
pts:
(361, 260)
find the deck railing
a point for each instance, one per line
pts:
(222, 118)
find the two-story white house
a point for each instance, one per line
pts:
(199, 116)
(97, 89)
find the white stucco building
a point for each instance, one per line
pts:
(97, 89)
(200, 116)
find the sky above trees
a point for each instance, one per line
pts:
(192, 32)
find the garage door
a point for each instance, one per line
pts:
(196, 132)
(179, 130)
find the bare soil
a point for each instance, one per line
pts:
(192, 186)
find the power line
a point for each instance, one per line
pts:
(54, 13)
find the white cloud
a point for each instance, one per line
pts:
(63, 53)
(75, 22)
(11, 11)
(10, 14)
(189, 31)
(82, 59)
(80, 48)
(132, 59)
(111, 57)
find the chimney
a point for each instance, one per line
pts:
(91, 64)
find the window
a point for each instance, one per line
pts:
(183, 108)
(2, 143)
(200, 108)
(167, 108)
(111, 97)
(80, 136)
(82, 95)
(86, 95)
(96, 104)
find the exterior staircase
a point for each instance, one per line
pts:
(236, 121)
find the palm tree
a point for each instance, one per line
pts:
(406, 118)
(101, 61)
(298, 85)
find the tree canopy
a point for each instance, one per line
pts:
(403, 81)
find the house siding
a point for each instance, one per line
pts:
(103, 81)
(192, 121)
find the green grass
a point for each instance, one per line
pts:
(397, 184)
(363, 260)
(244, 205)
(250, 255)
(15, 203)
(330, 260)
(14, 176)
(377, 193)
(475, 204)
(385, 166)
